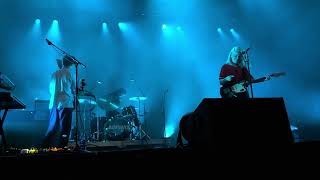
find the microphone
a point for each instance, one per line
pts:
(49, 42)
(246, 51)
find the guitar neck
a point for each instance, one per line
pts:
(259, 80)
(271, 75)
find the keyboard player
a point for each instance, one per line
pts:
(7, 102)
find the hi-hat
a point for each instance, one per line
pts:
(87, 101)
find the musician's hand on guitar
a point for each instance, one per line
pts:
(229, 78)
(267, 78)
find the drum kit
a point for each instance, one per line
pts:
(116, 123)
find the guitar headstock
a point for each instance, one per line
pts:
(278, 74)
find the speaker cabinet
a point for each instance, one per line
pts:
(239, 123)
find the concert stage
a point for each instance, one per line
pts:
(134, 79)
(183, 156)
(127, 144)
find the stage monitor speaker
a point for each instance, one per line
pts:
(41, 110)
(41, 105)
(240, 123)
(22, 130)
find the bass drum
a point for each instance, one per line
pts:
(117, 129)
(131, 114)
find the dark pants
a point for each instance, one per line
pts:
(59, 127)
(244, 95)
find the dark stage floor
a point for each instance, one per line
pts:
(303, 150)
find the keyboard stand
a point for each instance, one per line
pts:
(4, 142)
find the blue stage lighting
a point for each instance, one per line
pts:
(104, 27)
(36, 29)
(179, 28)
(219, 30)
(169, 131)
(164, 26)
(123, 26)
(54, 31)
(235, 34)
(37, 21)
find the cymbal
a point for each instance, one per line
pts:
(87, 101)
(138, 98)
(107, 105)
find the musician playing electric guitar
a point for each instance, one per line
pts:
(235, 78)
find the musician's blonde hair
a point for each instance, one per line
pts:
(234, 55)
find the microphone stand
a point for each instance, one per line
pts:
(246, 57)
(77, 63)
(164, 113)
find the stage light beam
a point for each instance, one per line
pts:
(235, 34)
(54, 31)
(169, 131)
(37, 21)
(123, 26)
(36, 29)
(55, 22)
(104, 28)
(164, 26)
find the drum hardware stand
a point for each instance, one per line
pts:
(85, 132)
(76, 63)
(84, 127)
(145, 136)
(98, 128)
(164, 113)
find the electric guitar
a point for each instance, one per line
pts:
(233, 90)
